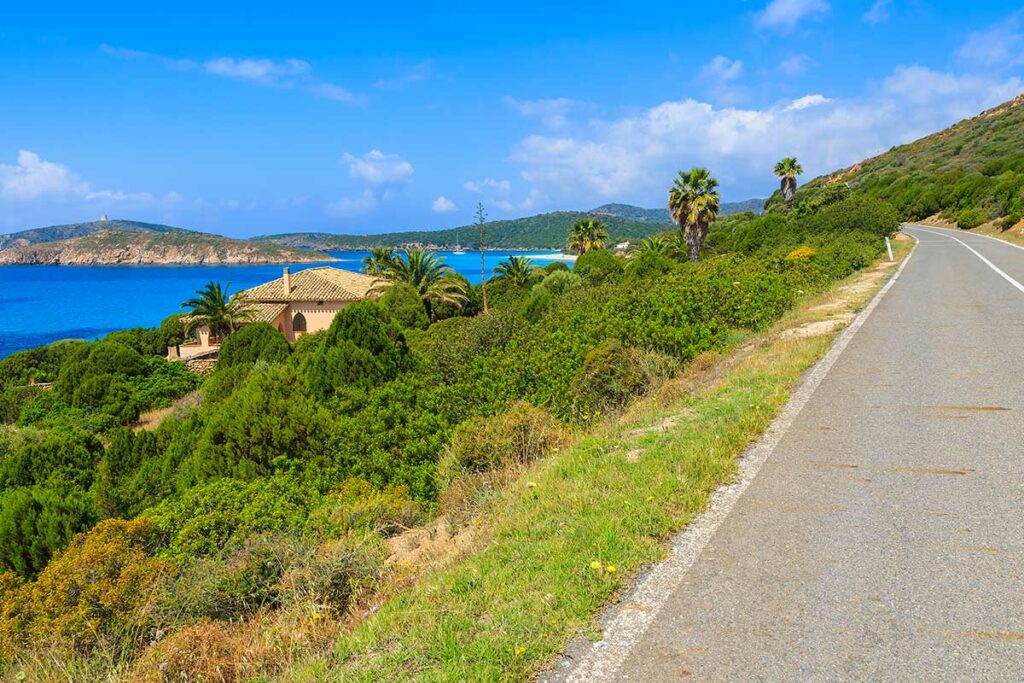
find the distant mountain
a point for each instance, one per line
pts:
(970, 173)
(635, 213)
(145, 246)
(71, 230)
(544, 231)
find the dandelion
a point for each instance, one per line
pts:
(610, 569)
(595, 565)
(520, 650)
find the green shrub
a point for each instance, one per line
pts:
(218, 516)
(536, 303)
(517, 436)
(598, 265)
(970, 218)
(270, 424)
(255, 343)
(37, 522)
(405, 305)
(559, 282)
(555, 266)
(611, 375)
(363, 348)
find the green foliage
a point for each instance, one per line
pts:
(270, 424)
(611, 375)
(255, 343)
(37, 522)
(597, 266)
(363, 348)
(558, 282)
(517, 436)
(219, 515)
(405, 306)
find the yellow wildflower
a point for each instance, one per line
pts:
(520, 650)
(610, 569)
(595, 565)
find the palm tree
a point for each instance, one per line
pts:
(587, 234)
(658, 244)
(427, 273)
(379, 262)
(788, 169)
(517, 270)
(693, 202)
(214, 309)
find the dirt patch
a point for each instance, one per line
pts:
(817, 328)
(151, 419)
(437, 544)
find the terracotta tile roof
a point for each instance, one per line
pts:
(264, 313)
(315, 284)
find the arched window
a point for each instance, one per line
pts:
(299, 323)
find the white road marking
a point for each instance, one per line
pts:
(626, 627)
(932, 229)
(988, 263)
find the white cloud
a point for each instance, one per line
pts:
(1000, 45)
(352, 206)
(721, 69)
(634, 156)
(33, 178)
(795, 65)
(551, 112)
(263, 71)
(807, 101)
(878, 13)
(786, 14)
(443, 205)
(378, 168)
(502, 187)
(419, 72)
(287, 73)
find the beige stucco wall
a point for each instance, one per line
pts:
(319, 316)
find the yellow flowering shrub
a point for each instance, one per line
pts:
(803, 253)
(95, 593)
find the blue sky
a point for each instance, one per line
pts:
(366, 117)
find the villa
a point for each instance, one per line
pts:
(295, 305)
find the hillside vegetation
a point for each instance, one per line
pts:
(635, 213)
(114, 247)
(71, 230)
(970, 173)
(252, 529)
(543, 231)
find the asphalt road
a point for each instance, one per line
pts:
(882, 539)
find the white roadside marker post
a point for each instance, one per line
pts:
(888, 247)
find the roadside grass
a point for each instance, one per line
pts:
(565, 537)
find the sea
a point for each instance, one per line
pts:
(44, 304)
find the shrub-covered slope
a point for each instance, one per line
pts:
(247, 530)
(970, 173)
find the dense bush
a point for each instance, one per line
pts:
(611, 375)
(404, 304)
(269, 424)
(37, 522)
(362, 348)
(598, 265)
(255, 343)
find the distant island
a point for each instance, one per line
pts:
(118, 242)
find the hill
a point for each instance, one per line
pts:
(139, 246)
(544, 231)
(970, 173)
(661, 215)
(71, 230)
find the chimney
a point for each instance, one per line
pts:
(287, 282)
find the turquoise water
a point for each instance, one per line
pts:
(41, 304)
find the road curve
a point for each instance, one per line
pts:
(882, 540)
